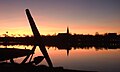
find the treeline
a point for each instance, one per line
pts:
(110, 40)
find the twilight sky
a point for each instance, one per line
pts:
(53, 16)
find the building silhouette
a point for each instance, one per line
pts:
(63, 34)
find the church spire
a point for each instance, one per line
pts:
(67, 30)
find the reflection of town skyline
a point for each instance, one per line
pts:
(65, 48)
(76, 56)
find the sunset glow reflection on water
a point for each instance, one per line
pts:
(80, 59)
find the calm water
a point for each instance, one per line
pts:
(81, 59)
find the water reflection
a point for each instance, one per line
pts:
(103, 60)
(87, 59)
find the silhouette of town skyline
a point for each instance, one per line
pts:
(68, 41)
(55, 34)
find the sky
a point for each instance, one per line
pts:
(53, 16)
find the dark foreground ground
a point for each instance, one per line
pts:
(9, 67)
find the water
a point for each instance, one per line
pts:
(80, 59)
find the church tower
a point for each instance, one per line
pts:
(67, 30)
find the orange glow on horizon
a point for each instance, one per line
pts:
(49, 26)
